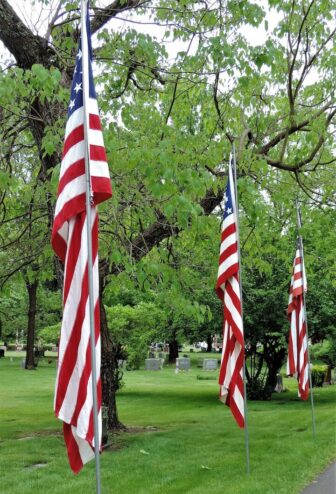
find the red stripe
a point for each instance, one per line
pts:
(71, 351)
(72, 254)
(229, 251)
(221, 280)
(71, 208)
(229, 230)
(97, 153)
(94, 122)
(74, 171)
(86, 373)
(75, 136)
(225, 358)
(75, 460)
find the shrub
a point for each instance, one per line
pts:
(318, 374)
(256, 390)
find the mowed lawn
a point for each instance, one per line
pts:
(183, 441)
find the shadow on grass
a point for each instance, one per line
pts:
(207, 398)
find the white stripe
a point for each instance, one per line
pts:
(236, 316)
(74, 154)
(74, 295)
(73, 189)
(229, 240)
(229, 261)
(228, 221)
(77, 117)
(85, 451)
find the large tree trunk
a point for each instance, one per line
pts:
(173, 350)
(32, 291)
(209, 343)
(110, 372)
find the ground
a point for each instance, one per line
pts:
(183, 439)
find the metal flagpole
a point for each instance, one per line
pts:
(85, 80)
(298, 218)
(242, 314)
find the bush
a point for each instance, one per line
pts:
(318, 374)
(256, 390)
(50, 334)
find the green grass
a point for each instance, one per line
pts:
(192, 441)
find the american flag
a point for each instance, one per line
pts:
(297, 361)
(73, 394)
(227, 288)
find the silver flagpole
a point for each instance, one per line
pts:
(85, 79)
(241, 301)
(298, 219)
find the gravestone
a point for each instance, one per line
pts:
(210, 364)
(182, 363)
(153, 364)
(279, 385)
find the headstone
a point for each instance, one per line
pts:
(182, 363)
(210, 364)
(152, 364)
(279, 385)
(327, 377)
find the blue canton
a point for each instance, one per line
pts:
(76, 95)
(228, 208)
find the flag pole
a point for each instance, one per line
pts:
(89, 199)
(299, 224)
(242, 314)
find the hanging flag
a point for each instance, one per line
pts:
(228, 290)
(297, 361)
(73, 394)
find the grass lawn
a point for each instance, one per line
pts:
(189, 442)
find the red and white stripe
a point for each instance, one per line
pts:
(297, 361)
(73, 395)
(227, 287)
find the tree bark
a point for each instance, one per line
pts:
(32, 299)
(110, 372)
(209, 343)
(173, 350)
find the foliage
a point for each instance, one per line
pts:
(135, 328)
(325, 351)
(50, 334)
(318, 374)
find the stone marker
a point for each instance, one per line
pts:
(152, 364)
(182, 363)
(210, 364)
(279, 385)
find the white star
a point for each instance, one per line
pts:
(71, 104)
(78, 87)
(79, 54)
(225, 198)
(229, 210)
